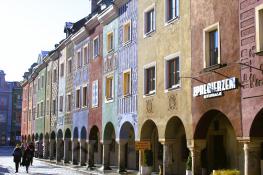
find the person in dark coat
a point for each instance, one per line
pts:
(17, 154)
(32, 152)
(26, 158)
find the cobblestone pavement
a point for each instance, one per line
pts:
(7, 166)
(44, 167)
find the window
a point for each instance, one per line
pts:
(95, 98)
(171, 9)
(259, 28)
(85, 55)
(127, 32)
(42, 81)
(84, 96)
(96, 47)
(54, 107)
(61, 103)
(38, 84)
(79, 59)
(62, 70)
(127, 83)
(149, 76)
(78, 98)
(47, 106)
(149, 21)
(172, 77)
(109, 88)
(48, 77)
(42, 109)
(212, 45)
(69, 97)
(54, 75)
(110, 42)
(69, 66)
(38, 108)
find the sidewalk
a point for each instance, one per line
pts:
(83, 169)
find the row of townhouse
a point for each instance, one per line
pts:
(181, 78)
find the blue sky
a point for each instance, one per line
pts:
(29, 26)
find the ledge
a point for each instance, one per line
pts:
(214, 67)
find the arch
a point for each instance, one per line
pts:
(36, 138)
(60, 134)
(25, 138)
(41, 136)
(94, 133)
(109, 132)
(47, 136)
(175, 137)
(149, 132)
(53, 135)
(75, 133)
(83, 133)
(29, 138)
(256, 129)
(216, 137)
(203, 124)
(126, 131)
(33, 137)
(68, 133)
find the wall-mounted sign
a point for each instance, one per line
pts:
(143, 145)
(215, 89)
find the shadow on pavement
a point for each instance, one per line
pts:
(3, 170)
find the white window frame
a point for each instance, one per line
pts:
(69, 105)
(166, 60)
(83, 105)
(76, 98)
(130, 84)
(61, 104)
(62, 73)
(145, 67)
(177, 6)
(69, 70)
(79, 60)
(259, 28)
(151, 7)
(112, 48)
(108, 100)
(206, 50)
(95, 99)
(96, 38)
(123, 32)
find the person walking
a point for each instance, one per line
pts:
(26, 158)
(17, 154)
(32, 151)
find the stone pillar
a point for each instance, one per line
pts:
(51, 149)
(46, 149)
(121, 156)
(58, 151)
(83, 152)
(75, 152)
(106, 155)
(165, 157)
(66, 150)
(252, 158)
(91, 154)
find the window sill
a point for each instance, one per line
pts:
(127, 95)
(96, 56)
(149, 34)
(173, 88)
(259, 53)
(110, 51)
(84, 107)
(108, 100)
(213, 67)
(171, 21)
(150, 94)
(95, 106)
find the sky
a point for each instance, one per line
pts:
(29, 26)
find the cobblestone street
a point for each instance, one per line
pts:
(7, 166)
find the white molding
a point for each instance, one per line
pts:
(152, 6)
(147, 66)
(259, 45)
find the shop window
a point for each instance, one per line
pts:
(212, 45)
(127, 83)
(127, 32)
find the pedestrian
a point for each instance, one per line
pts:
(17, 154)
(32, 151)
(26, 158)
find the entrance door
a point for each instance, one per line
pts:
(219, 152)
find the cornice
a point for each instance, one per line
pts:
(108, 15)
